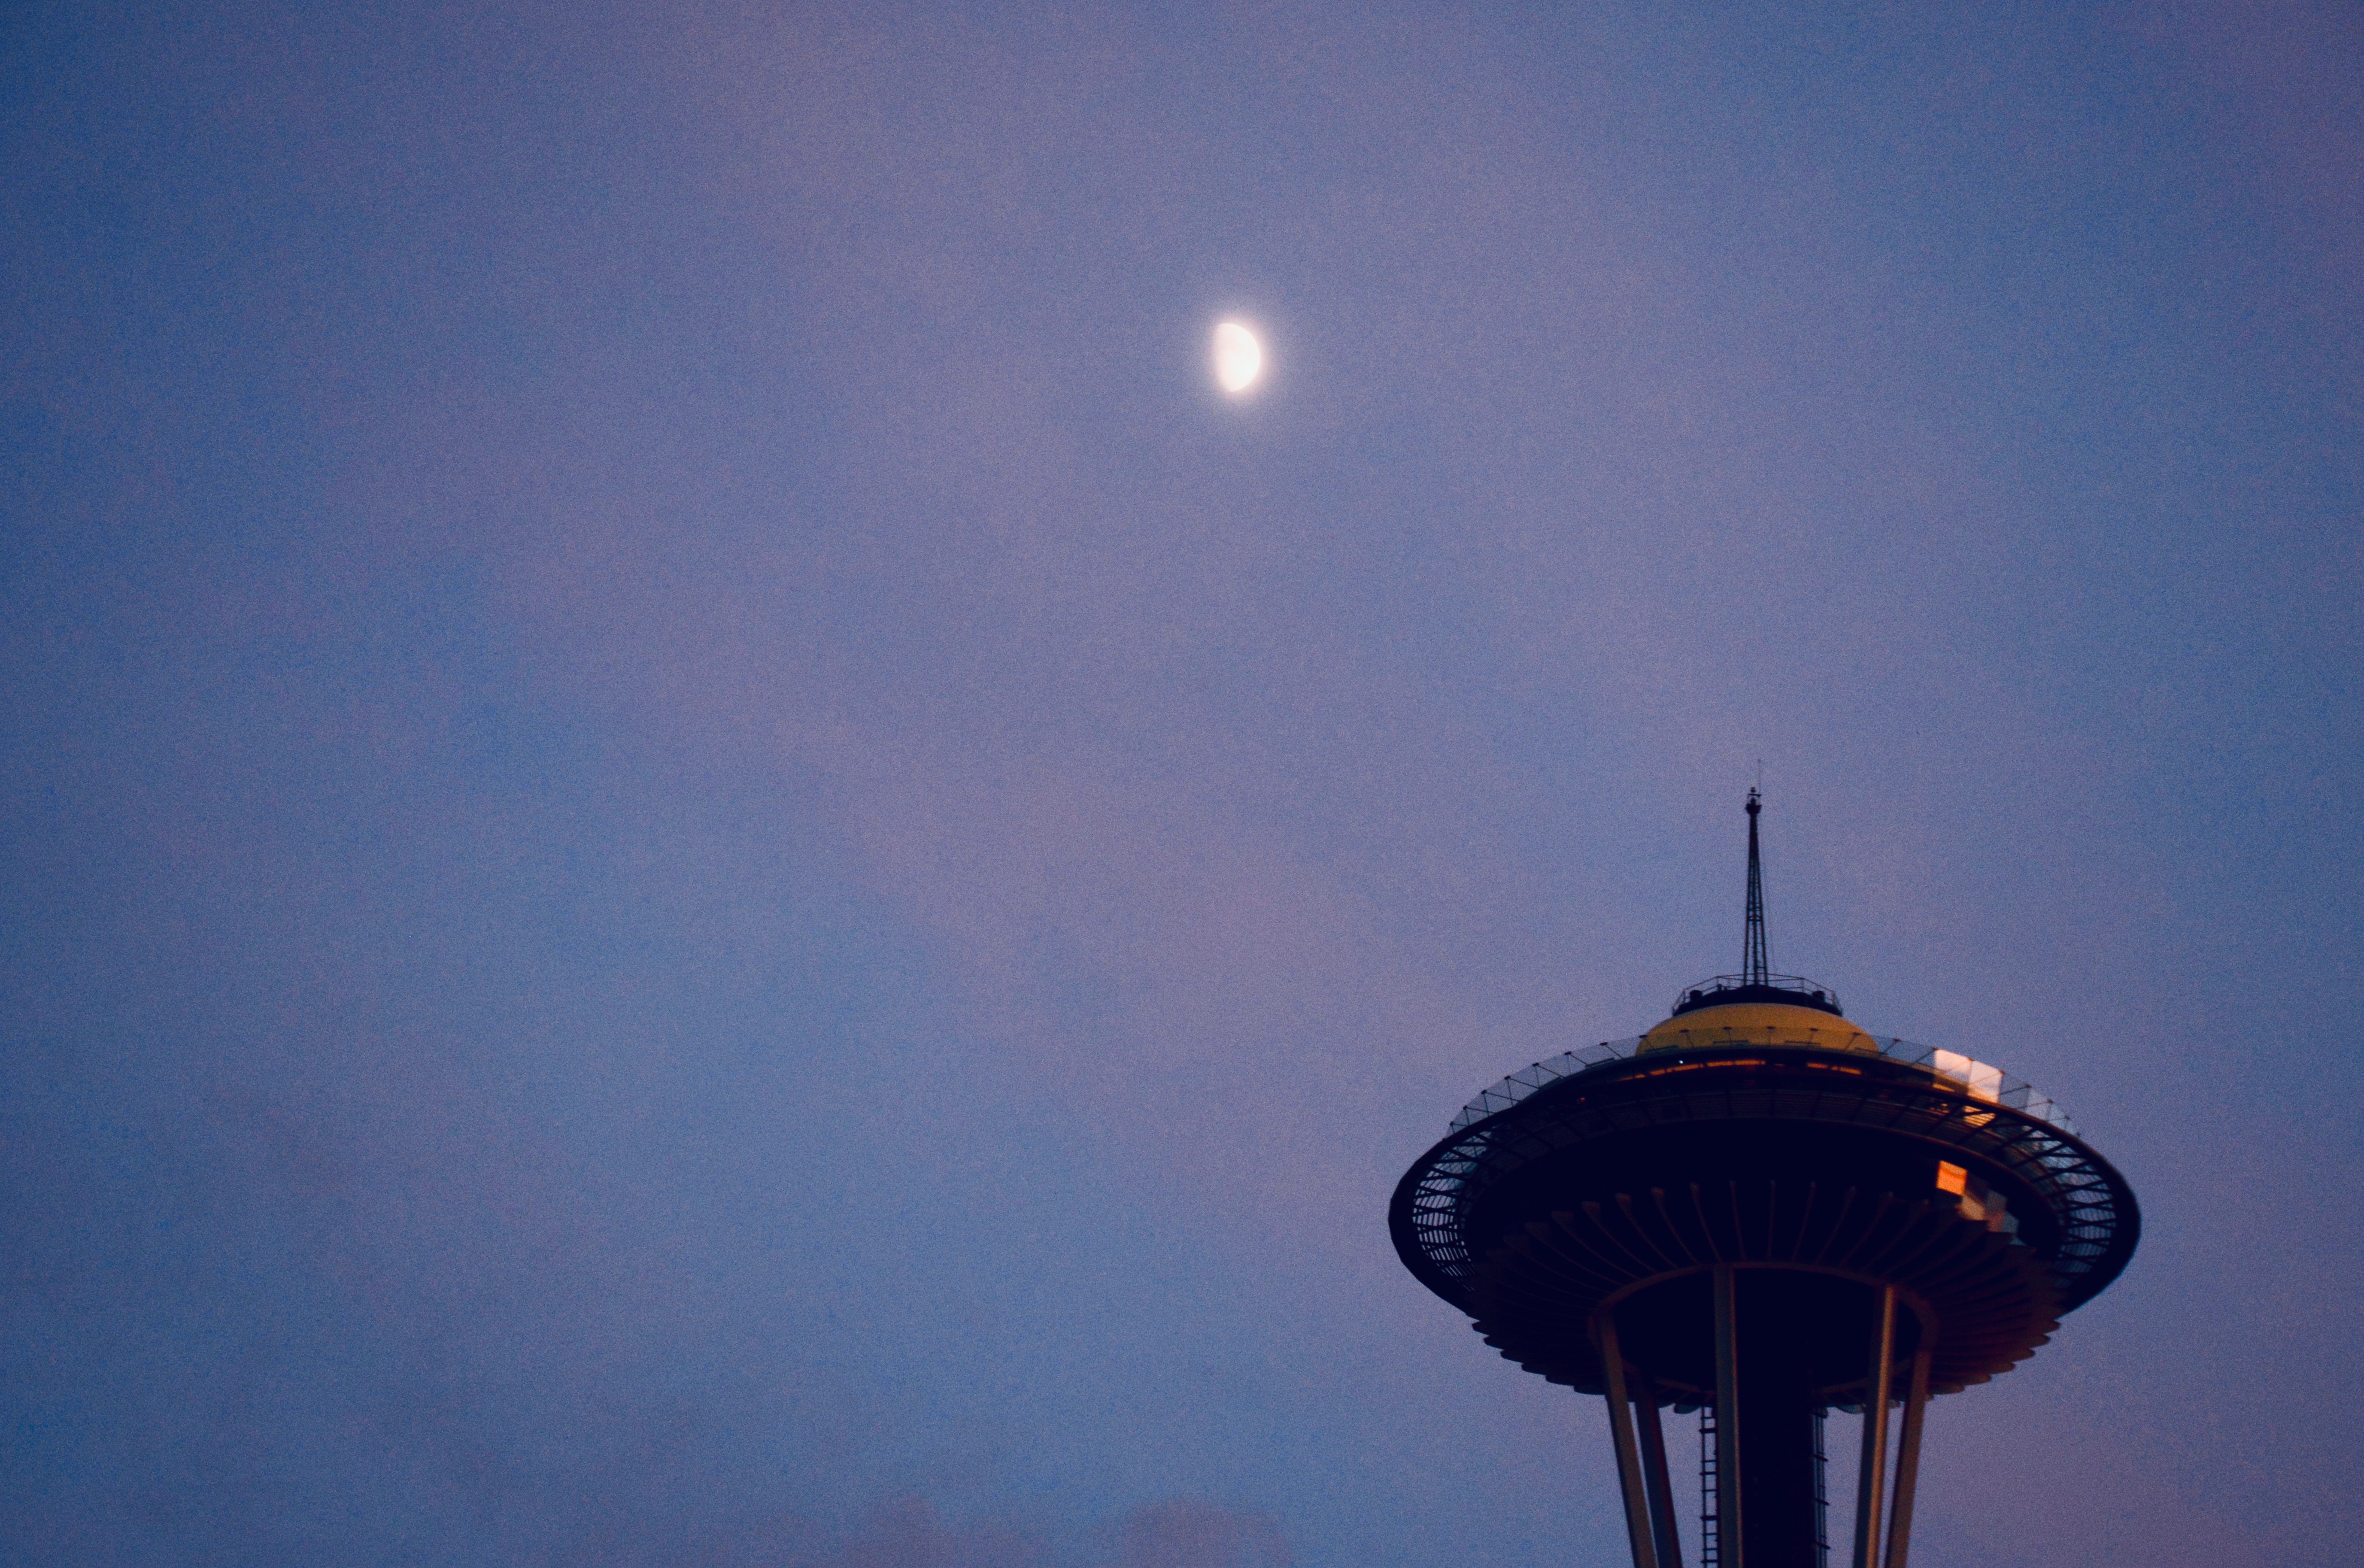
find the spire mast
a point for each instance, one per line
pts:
(1754, 969)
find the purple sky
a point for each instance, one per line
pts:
(704, 867)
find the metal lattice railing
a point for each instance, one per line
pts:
(1982, 1080)
(1705, 991)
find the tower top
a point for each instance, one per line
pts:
(1756, 982)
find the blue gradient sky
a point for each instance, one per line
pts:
(704, 868)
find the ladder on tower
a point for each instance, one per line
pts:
(1822, 1495)
(1708, 1555)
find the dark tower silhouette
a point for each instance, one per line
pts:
(1760, 1212)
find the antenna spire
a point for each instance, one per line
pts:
(1754, 969)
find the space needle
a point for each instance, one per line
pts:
(1762, 1213)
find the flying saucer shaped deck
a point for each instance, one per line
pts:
(1820, 1174)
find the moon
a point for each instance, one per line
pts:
(1239, 358)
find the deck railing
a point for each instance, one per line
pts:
(1981, 1079)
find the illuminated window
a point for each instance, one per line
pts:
(1976, 1201)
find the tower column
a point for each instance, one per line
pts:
(1658, 1488)
(1775, 1442)
(1871, 1478)
(1908, 1460)
(1630, 1484)
(1732, 1546)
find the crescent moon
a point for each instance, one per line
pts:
(1239, 358)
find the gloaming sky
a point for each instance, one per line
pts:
(706, 866)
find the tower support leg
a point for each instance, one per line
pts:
(1729, 1535)
(1655, 1481)
(1872, 1477)
(1908, 1462)
(1621, 1436)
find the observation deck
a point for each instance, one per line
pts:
(1780, 990)
(1639, 1165)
